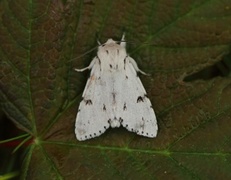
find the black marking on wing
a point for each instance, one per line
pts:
(114, 97)
(98, 59)
(125, 107)
(99, 62)
(88, 102)
(140, 99)
(125, 62)
(104, 107)
(109, 121)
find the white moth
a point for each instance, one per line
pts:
(114, 95)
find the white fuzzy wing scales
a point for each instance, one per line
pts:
(114, 96)
(135, 108)
(91, 119)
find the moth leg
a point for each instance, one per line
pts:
(132, 61)
(88, 67)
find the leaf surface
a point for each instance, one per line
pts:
(171, 40)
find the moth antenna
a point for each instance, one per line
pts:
(83, 54)
(99, 43)
(123, 43)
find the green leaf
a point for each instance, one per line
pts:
(171, 40)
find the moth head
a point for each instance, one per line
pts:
(109, 45)
(110, 41)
